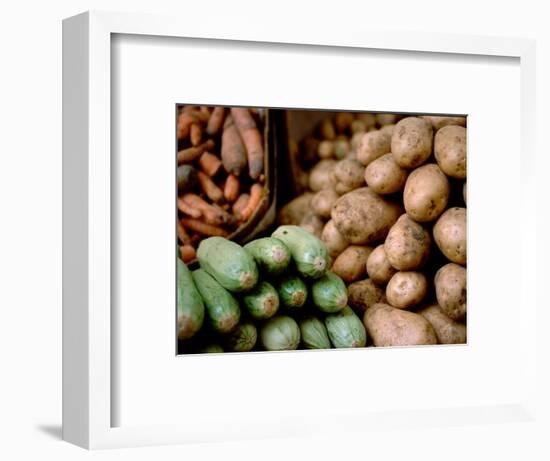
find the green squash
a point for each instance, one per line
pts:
(314, 333)
(230, 264)
(281, 333)
(190, 306)
(329, 293)
(262, 302)
(345, 329)
(243, 338)
(292, 291)
(271, 255)
(308, 252)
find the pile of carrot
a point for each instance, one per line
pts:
(220, 173)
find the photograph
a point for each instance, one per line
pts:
(315, 229)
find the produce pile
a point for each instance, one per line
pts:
(220, 175)
(275, 293)
(387, 196)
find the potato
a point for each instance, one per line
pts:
(364, 217)
(388, 129)
(356, 140)
(368, 119)
(342, 188)
(342, 148)
(364, 294)
(388, 326)
(358, 126)
(327, 130)
(385, 176)
(321, 176)
(450, 234)
(322, 202)
(351, 264)
(386, 119)
(426, 193)
(406, 289)
(325, 149)
(333, 239)
(379, 268)
(407, 245)
(411, 142)
(343, 120)
(439, 122)
(350, 172)
(446, 329)
(293, 212)
(373, 145)
(313, 224)
(450, 290)
(450, 150)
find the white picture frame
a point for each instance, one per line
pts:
(88, 361)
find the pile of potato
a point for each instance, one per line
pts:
(387, 195)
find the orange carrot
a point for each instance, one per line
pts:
(195, 134)
(232, 188)
(208, 186)
(203, 228)
(210, 163)
(256, 192)
(187, 253)
(240, 204)
(252, 140)
(215, 121)
(211, 213)
(182, 235)
(191, 153)
(187, 209)
(233, 152)
(185, 119)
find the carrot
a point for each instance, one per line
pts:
(240, 204)
(212, 214)
(210, 163)
(191, 153)
(215, 121)
(208, 186)
(203, 228)
(187, 253)
(252, 140)
(231, 188)
(185, 119)
(233, 153)
(187, 209)
(182, 235)
(256, 192)
(195, 134)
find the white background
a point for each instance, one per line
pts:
(30, 243)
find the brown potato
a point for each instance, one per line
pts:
(439, 121)
(356, 141)
(327, 129)
(426, 193)
(364, 217)
(358, 126)
(313, 224)
(342, 148)
(342, 188)
(388, 129)
(321, 176)
(446, 329)
(385, 176)
(325, 149)
(388, 326)
(386, 119)
(450, 150)
(333, 239)
(374, 144)
(350, 172)
(351, 264)
(406, 289)
(343, 120)
(411, 142)
(293, 212)
(407, 245)
(364, 294)
(322, 202)
(450, 234)
(367, 118)
(450, 290)
(379, 268)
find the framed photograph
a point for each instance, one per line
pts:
(271, 234)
